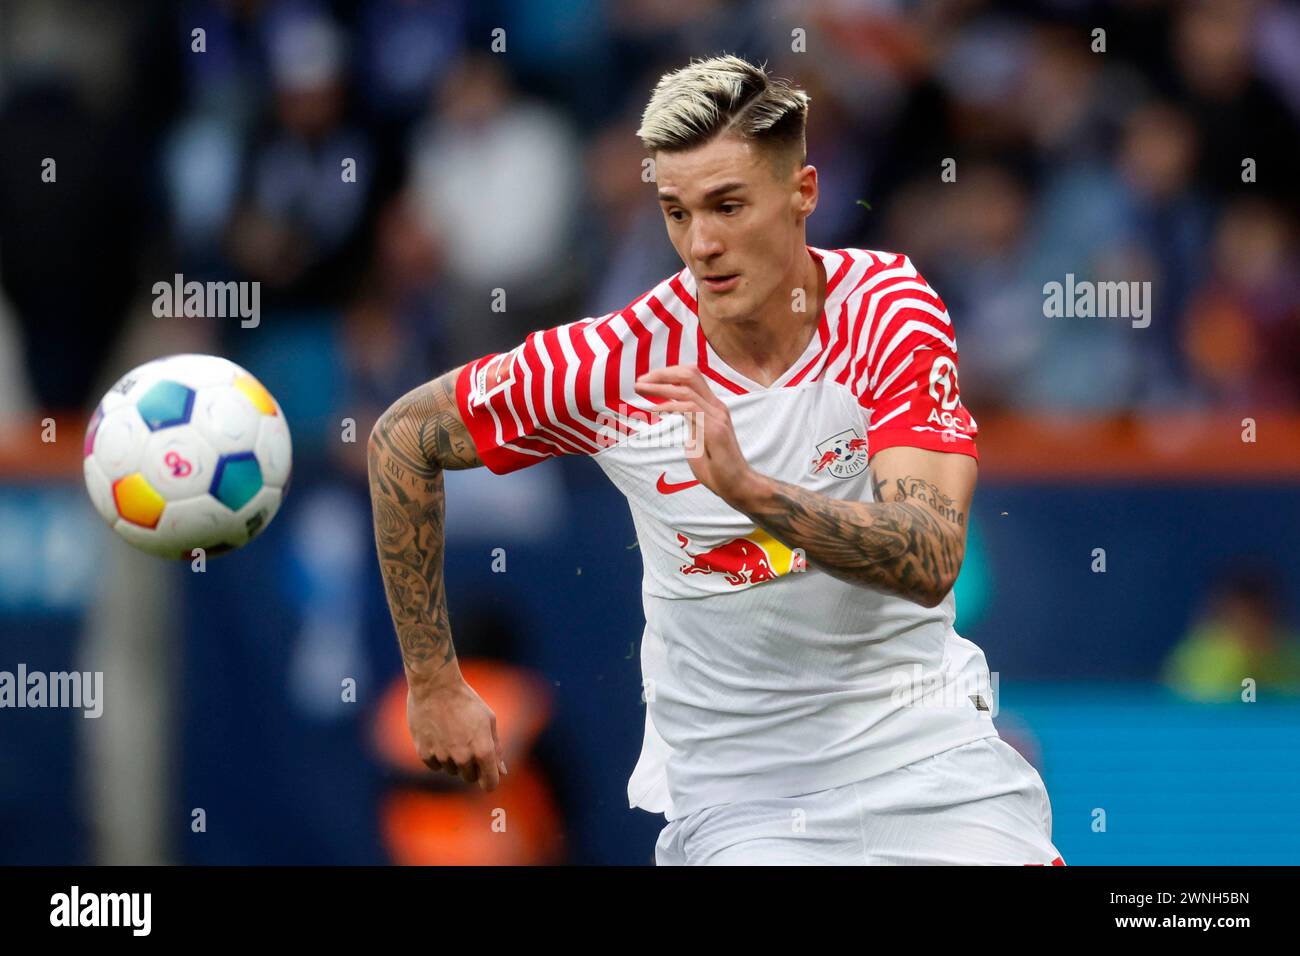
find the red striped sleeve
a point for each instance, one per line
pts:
(907, 373)
(533, 402)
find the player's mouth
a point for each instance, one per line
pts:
(722, 282)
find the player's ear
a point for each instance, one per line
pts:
(806, 191)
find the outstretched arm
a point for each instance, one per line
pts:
(418, 437)
(909, 542)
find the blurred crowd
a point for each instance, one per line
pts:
(383, 167)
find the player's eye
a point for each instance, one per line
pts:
(728, 208)
(677, 215)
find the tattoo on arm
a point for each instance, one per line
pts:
(411, 444)
(909, 541)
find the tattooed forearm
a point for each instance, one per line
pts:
(909, 542)
(411, 444)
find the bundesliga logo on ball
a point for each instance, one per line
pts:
(187, 452)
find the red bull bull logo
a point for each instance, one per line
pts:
(819, 464)
(752, 559)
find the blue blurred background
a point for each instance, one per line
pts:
(519, 169)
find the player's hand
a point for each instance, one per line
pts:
(717, 460)
(456, 733)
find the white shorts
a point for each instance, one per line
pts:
(980, 803)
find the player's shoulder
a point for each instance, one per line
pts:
(882, 306)
(880, 286)
(854, 269)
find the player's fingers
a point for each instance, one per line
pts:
(431, 761)
(700, 388)
(664, 390)
(499, 753)
(447, 764)
(666, 393)
(469, 771)
(684, 408)
(681, 372)
(500, 757)
(687, 376)
(490, 759)
(489, 774)
(683, 376)
(682, 382)
(669, 373)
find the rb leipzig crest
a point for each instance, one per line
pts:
(843, 455)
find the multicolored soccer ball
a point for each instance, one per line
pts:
(186, 452)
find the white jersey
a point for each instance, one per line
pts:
(763, 676)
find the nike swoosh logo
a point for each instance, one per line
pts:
(669, 488)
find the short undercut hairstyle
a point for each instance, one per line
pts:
(726, 95)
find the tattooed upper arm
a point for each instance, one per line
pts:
(928, 497)
(943, 482)
(422, 431)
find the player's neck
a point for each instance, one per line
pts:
(763, 347)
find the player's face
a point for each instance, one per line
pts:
(737, 223)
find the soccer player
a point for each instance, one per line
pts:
(786, 424)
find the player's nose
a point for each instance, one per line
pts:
(706, 247)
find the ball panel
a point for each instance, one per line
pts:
(256, 393)
(119, 442)
(238, 478)
(165, 404)
(226, 418)
(274, 451)
(137, 502)
(179, 463)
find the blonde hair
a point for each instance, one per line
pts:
(724, 94)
